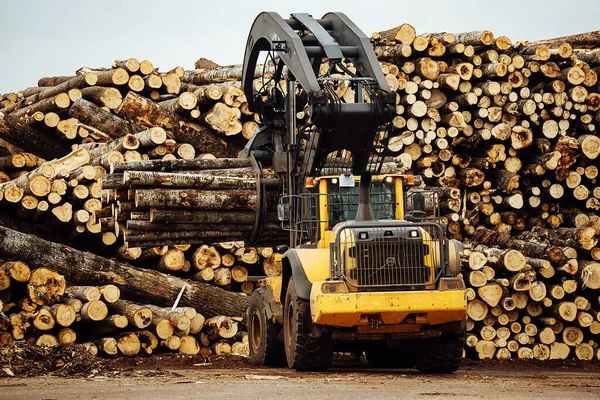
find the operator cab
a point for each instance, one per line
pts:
(388, 200)
(343, 200)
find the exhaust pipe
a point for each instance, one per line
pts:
(364, 212)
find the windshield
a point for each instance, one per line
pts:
(343, 202)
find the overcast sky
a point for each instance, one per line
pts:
(49, 38)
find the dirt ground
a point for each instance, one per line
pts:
(184, 377)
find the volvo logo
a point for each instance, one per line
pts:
(390, 261)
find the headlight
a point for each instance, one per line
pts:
(334, 287)
(413, 233)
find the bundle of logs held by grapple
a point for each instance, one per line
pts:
(46, 311)
(157, 202)
(507, 132)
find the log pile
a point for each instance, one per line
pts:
(53, 108)
(506, 132)
(41, 309)
(513, 126)
(228, 265)
(524, 303)
(107, 118)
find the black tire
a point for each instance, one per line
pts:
(381, 355)
(266, 348)
(441, 355)
(302, 351)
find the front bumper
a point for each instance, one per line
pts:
(428, 307)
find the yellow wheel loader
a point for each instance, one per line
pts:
(360, 273)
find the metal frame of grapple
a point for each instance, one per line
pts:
(302, 44)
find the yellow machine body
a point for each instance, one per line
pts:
(334, 303)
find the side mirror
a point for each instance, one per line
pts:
(282, 248)
(283, 212)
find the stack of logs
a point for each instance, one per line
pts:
(44, 310)
(505, 131)
(512, 126)
(51, 107)
(530, 300)
(64, 193)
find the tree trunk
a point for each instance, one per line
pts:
(30, 139)
(110, 124)
(181, 165)
(64, 314)
(189, 345)
(107, 345)
(589, 275)
(221, 74)
(528, 248)
(84, 293)
(180, 321)
(137, 315)
(128, 344)
(110, 293)
(104, 96)
(175, 180)
(202, 217)
(196, 199)
(44, 320)
(163, 328)
(491, 294)
(94, 310)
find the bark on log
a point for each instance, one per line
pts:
(221, 74)
(181, 165)
(199, 181)
(110, 124)
(196, 199)
(528, 248)
(30, 139)
(202, 217)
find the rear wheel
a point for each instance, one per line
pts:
(303, 351)
(266, 348)
(441, 355)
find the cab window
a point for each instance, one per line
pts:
(343, 202)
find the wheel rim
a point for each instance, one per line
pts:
(256, 330)
(288, 335)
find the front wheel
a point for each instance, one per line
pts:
(266, 348)
(441, 355)
(301, 350)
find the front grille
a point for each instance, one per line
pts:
(389, 262)
(387, 256)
